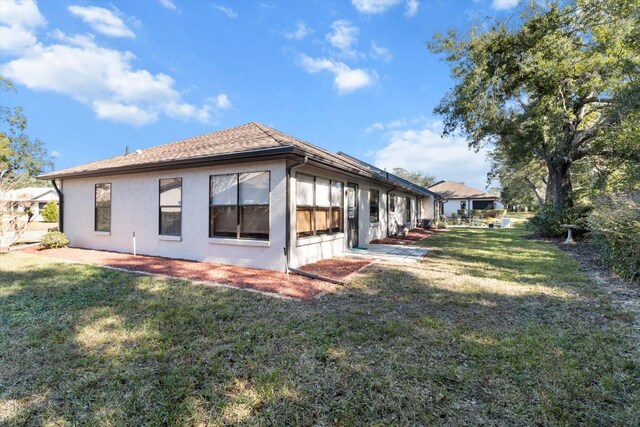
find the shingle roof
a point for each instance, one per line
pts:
(422, 190)
(248, 138)
(457, 190)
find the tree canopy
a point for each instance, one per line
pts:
(19, 154)
(418, 178)
(558, 85)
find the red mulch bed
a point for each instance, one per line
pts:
(413, 236)
(336, 268)
(262, 280)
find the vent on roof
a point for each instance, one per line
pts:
(138, 151)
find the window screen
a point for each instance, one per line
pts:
(319, 206)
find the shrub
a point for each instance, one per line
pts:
(548, 221)
(50, 211)
(615, 230)
(54, 239)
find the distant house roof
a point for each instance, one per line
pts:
(422, 190)
(458, 190)
(251, 141)
(29, 194)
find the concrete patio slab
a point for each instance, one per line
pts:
(396, 253)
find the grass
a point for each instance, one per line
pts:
(493, 329)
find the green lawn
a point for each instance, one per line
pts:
(492, 329)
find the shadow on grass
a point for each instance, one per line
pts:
(400, 345)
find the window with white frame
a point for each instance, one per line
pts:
(374, 206)
(319, 206)
(102, 212)
(407, 209)
(170, 223)
(239, 205)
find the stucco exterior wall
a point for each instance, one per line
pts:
(134, 207)
(426, 208)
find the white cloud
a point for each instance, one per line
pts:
(22, 13)
(106, 80)
(168, 4)
(300, 32)
(346, 79)
(424, 149)
(222, 101)
(504, 4)
(343, 36)
(412, 8)
(374, 6)
(102, 20)
(18, 22)
(118, 112)
(55, 154)
(396, 124)
(380, 52)
(227, 11)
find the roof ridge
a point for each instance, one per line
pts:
(303, 142)
(262, 128)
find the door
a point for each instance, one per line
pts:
(352, 215)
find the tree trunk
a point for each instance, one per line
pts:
(535, 192)
(559, 185)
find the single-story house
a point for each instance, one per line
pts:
(456, 196)
(249, 195)
(32, 198)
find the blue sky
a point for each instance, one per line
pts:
(353, 76)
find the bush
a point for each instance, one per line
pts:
(615, 230)
(54, 239)
(548, 222)
(50, 211)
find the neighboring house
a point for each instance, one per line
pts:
(33, 198)
(250, 195)
(456, 196)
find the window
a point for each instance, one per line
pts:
(392, 203)
(374, 206)
(170, 207)
(319, 206)
(407, 210)
(102, 218)
(239, 205)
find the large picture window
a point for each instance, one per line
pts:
(319, 206)
(239, 205)
(102, 217)
(374, 206)
(171, 207)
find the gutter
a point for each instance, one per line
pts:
(287, 241)
(175, 164)
(60, 205)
